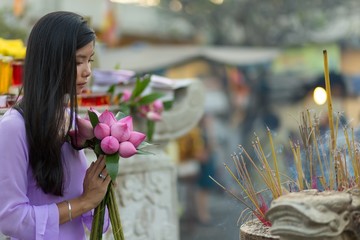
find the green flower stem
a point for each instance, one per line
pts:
(98, 219)
(114, 214)
(99, 213)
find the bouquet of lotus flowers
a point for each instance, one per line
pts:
(114, 137)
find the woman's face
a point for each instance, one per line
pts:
(84, 57)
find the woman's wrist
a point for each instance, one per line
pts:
(71, 208)
(85, 204)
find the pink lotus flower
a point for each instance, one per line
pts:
(109, 145)
(85, 128)
(101, 131)
(127, 149)
(107, 117)
(136, 138)
(77, 141)
(120, 131)
(128, 121)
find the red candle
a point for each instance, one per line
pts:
(94, 99)
(17, 72)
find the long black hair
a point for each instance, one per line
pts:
(49, 87)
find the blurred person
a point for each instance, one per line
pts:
(197, 163)
(47, 190)
(207, 158)
(190, 148)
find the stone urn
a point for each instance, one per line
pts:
(314, 215)
(255, 230)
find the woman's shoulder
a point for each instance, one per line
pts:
(11, 120)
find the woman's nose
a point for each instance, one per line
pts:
(87, 70)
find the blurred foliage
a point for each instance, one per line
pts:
(262, 23)
(9, 30)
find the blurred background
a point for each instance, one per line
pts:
(260, 62)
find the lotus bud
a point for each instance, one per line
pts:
(109, 145)
(107, 117)
(126, 96)
(101, 131)
(120, 131)
(158, 105)
(153, 116)
(143, 110)
(77, 141)
(85, 128)
(128, 121)
(136, 138)
(127, 149)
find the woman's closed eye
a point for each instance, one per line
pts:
(89, 61)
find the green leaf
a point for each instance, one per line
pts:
(140, 86)
(119, 115)
(93, 118)
(150, 98)
(125, 109)
(150, 129)
(111, 89)
(97, 149)
(68, 138)
(142, 152)
(112, 165)
(168, 104)
(119, 96)
(144, 145)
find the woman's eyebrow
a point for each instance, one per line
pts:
(84, 56)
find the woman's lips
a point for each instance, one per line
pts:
(82, 84)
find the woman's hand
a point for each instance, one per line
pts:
(95, 185)
(96, 182)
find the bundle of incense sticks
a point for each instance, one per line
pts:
(330, 170)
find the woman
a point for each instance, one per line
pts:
(46, 190)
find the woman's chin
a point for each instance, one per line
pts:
(80, 90)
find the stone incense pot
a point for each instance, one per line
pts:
(311, 214)
(255, 230)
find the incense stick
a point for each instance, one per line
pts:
(329, 100)
(330, 115)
